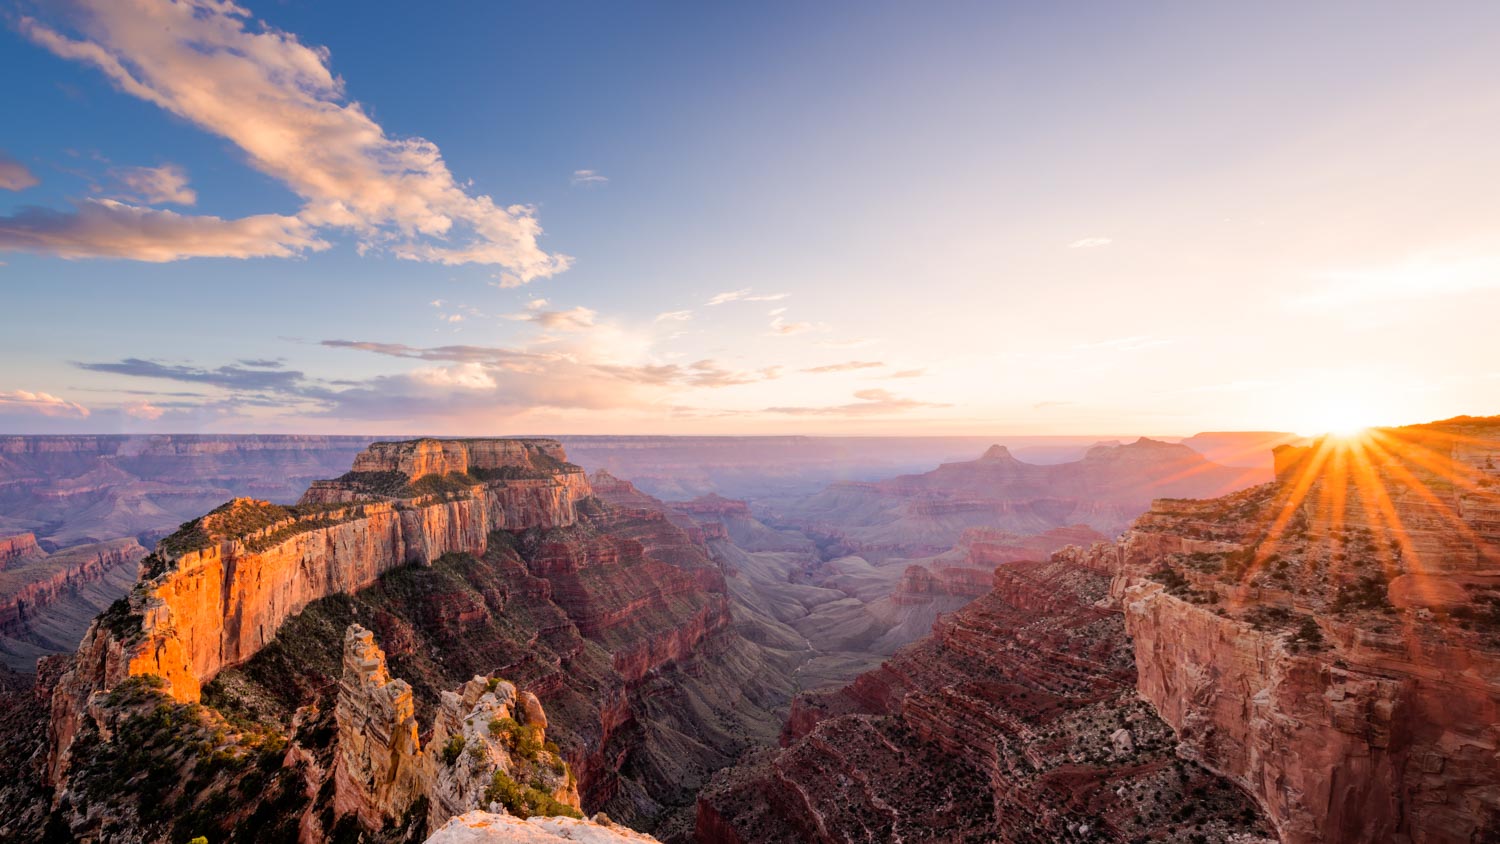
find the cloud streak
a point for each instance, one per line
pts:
(846, 366)
(229, 377)
(873, 402)
(106, 228)
(743, 295)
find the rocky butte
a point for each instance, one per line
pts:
(1331, 641)
(452, 625)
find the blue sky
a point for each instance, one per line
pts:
(934, 218)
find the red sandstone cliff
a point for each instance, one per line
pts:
(1016, 720)
(1332, 641)
(18, 547)
(215, 593)
(32, 584)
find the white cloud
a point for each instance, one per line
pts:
(280, 103)
(157, 185)
(872, 402)
(779, 325)
(857, 343)
(674, 316)
(588, 177)
(1435, 273)
(141, 410)
(846, 366)
(1090, 242)
(40, 404)
(105, 228)
(14, 175)
(572, 319)
(743, 295)
(466, 376)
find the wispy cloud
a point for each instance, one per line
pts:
(277, 99)
(157, 185)
(14, 175)
(1090, 242)
(781, 326)
(674, 316)
(1435, 273)
(588, 178)
(703, 373)
(857, 343)
(846, 366)
(907, 373)
(572, 319)
(873, 402)
(744, 295)
(460, 353)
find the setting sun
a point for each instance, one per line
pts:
(1346, 428)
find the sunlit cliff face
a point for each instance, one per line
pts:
(1417, 505)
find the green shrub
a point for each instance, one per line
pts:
(525, 801)
(451, 750)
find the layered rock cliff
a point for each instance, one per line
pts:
(1016, 720)
(216, 592)
(18, 547)
(48, 600)
(1331, 641)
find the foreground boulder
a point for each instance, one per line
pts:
(489, 828)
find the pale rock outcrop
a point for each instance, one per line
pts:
(484, 730)
(490, 828)
(379, 770)
(463, 723)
